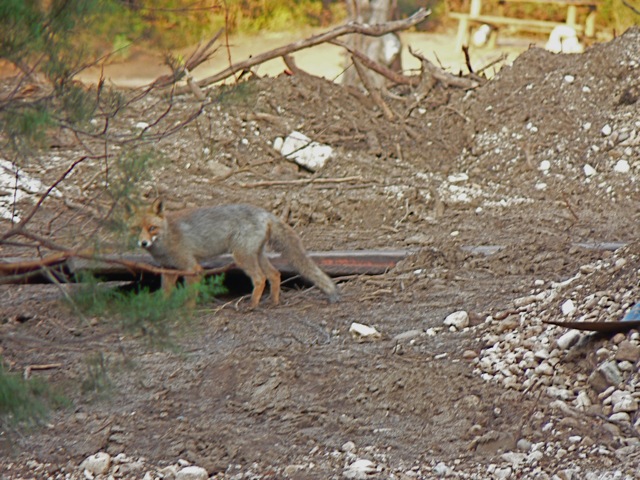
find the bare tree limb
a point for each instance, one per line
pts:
(373, 91)
(372, 30)
(378, 67)
(633, 9)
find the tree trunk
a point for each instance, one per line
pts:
(385, 49)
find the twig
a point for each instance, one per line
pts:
(364, 29)
(47, 366)
(302, 181)
(628, 5)
(373, 91)
(501, 58)
(447, 79)
(467, 59)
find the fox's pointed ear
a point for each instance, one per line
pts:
(157, 207)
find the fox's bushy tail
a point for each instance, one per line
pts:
(287, 241)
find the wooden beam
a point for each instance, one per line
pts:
(130, 267)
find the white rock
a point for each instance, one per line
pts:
(606, 130)
(348, 446)
(514, 458)
(192, 473)
(569, 78)
(360, 469)
(568, 307)
(589, 171)
(459, 320)
(625, 403)
(535, 456)
(544, 369)
(620, 417)
(409, 335)
(304, 151)
(524, 445)
(441, 470)
(545, 165)
(568, 340)
(622, 166)
(362, 330)
(458, 178)
(97, 464)
(142, 125)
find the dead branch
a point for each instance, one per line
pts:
(373, 91)
(290, 62)
(199, 56)
(631, 7)
(303, 181)
(383, 70)
(447, 79)
(371, 30)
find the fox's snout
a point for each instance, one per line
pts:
(144, 243)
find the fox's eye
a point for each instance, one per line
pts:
(153, 230)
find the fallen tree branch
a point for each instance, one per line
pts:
(383, 70)
(371, 30)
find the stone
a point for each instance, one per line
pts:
(624, 402)
(97, 464)
(408, 335)
(348, 446)
(360, 469)
(441, 470)
(459, 320)
(568, 340)
(607, 374)
(628, 351)
(192, 472)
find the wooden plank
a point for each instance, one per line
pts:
(335, 263)
(518, 22)
(574, 3)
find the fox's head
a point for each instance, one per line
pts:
(148, 224)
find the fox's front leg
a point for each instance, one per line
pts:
(191, 280)
(168, 283)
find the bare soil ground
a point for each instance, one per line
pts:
(278, 391)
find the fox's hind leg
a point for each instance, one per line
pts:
(273, 275)
(250, 264)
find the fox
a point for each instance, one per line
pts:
(182, 239)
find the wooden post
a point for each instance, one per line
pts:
(590, 23)
(572, 14)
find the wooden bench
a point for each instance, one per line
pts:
(475, 16)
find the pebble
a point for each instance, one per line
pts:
(622, 166)
(569, 339)
(360, 469)
(348, 446)
(97, 464)
(628, 351)
(589, 171)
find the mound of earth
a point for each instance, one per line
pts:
(501, 194)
